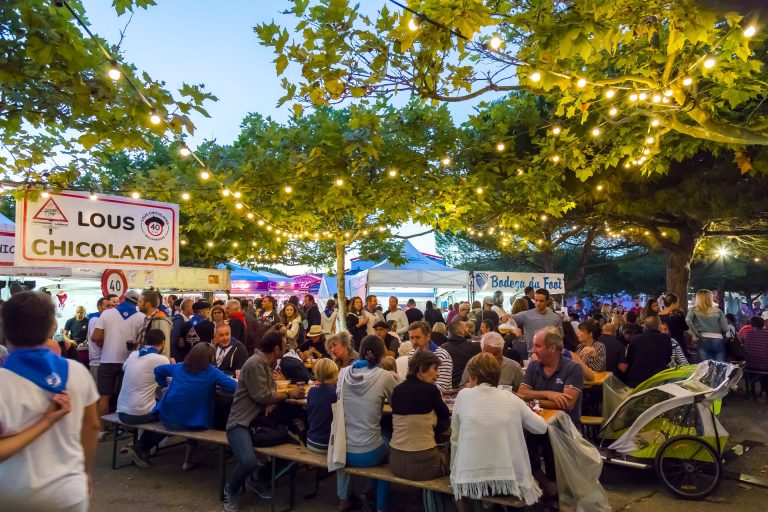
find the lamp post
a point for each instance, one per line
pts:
(722, 253)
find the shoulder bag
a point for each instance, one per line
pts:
(337, 444)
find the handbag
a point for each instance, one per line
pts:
(337, 444)
(265, 431)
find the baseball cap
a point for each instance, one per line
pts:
(381, 324)
(200, 305)
(132, 295)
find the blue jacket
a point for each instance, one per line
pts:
(188, 403)
(320, 414)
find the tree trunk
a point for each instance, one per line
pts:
(578, 276)
(341, 289)
(548, 261)
(679, 267)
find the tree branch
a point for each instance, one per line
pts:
(737, 232)
(407, 237)
(491, 87)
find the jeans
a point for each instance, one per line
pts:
(242, 447)
(369, 459)
(539, 446)
(711, 348)
(132, 419)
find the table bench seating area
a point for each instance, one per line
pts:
(298, 455)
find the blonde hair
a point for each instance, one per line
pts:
(326, 370)
(704, 302)
(485, 369)
(389, 363)
(405, 348)
(519, 305)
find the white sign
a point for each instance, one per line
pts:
(516, 282)
(7, 247)
(69, 228)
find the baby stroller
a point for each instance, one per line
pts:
(673, 428)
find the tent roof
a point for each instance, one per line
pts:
(415, 260)
(240, 273)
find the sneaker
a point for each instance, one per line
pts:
(257, 487)
(141, 460)
(230, 501)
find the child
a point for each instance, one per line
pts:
(319, 401)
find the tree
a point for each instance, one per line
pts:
(61, 115)
(694, 67)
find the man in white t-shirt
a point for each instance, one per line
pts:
(94, 350)
(137, 395)
(115, 329)
(49, 418)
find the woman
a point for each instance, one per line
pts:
(188, 403)
(328, 317)
(452, 313)
(364, 387)
(591, 351)
(487, 438)
(619, 310)
(339, 346)
(314, 347)
(651, 309)
(418, 414)
(218, 315)
(431, 314)
(357, 322)
(292, 319)
(515, 347)
(439, 335)
(708, 324)
(673, 317)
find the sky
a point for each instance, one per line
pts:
(213, 43)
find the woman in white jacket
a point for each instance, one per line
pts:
(488, 455)
(292, 320)
(328, 318)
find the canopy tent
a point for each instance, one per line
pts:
(246, 281)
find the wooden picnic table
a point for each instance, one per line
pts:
(599, 379)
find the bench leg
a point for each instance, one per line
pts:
(317, 485)
(272, 486)
(222, 470)
(114, 449)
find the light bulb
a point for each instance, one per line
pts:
(519, 172)
(135, 195)
(446, 161)
(642, 96)
(204, 175)
(209, 244)
(610, 93)
(555, 158)
(184, 151)
(649, 140)
(250, 215)
(239, 206)
(413, 24)
(235, 244)
(535, 76)
(668, 93)
(750, 31)
(646, 151)
(479, 190)
(500, 146)
(392, 173)
(595, 132)
(709, 63)
(261, 222)
(237, 194)
(599, 188)
(183, 242)
(657, 98)
(581, 83)
(687, 81)
(665, 100)
(278, 231)
(633, 97)
(339, 182)
(655, 123)
(185, 196)
(269, 228)
(495, 42)
(45, 195)
(556, 130)
(114, 72)
(544, 218)
(613, 112)
(155, 119)
(93, 197)
(225, 192)
(627, 165)
(288, 189)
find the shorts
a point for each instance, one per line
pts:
(94, 368)
(109, 378)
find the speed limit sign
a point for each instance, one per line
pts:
(114, 282)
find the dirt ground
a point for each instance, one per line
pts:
(166, 487)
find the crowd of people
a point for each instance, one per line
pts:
(194, 365)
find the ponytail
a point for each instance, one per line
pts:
(372, 350)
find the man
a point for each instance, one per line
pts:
(497, 304)
(291, 366)
(401, 318)
(486, 326)
(256, 393)
(488, 313)
(419, 335)
(197, 329)
(462, 315)
(182, 316)
(311, 312)
(260, 323)
(637, 308)
(94, 351)
(114, 300)
(114, 329)
(371, 313)
(460, 349)
(535, 319)
(557, 383)
(231, 354)
(615, 352)
(391, 343)
(648, 353)
(511, 372)
(149, 302)
(236, 319)
(413, 314)
(528, 294)
(75, 330)
(170, 305)
(48, 415)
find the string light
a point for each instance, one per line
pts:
(185, 196)
(204, 175)
(595, 132)
(261, 222)
(269, 228)
(750, 31)
(535, 76)
(239, 206)
(627, 165)
(250, 215)
(642, 96)
(225, 192)
(613, 112)
(237, 194)
(556, 130)
(500, 146)
(209, 244)
(520, 172)
(413, 24)
(93, 197)
(155, 119)
(135, 195)
(114, 72)
(392, 173)
(633, 97)
(446, 161)
(646, 151)
(339, 182)
(581, 83)
(610, 93)
(657, 98)
(555, 158)
(479, 190)
(599, 188)
(668, 93)
(183, 242)
(184, 151)
(655, 122)
(709, 63)
(495, 42)
(45, 195)
(235, 244)
(288, 189)
(649, 140)
(544, 218)
(687, 81)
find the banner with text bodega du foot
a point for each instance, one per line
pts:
(516, 282)
(70, 228)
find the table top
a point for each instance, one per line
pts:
(599, 379)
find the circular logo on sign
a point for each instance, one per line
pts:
(155, 225)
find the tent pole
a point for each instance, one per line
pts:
(471, 287)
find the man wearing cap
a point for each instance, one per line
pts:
(391, 344)
(197, 329)
(488, 313)
(395, 313)
(511, 372)
(115, 329)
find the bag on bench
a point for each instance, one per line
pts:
(265, 431)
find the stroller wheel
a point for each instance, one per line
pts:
(688, 467)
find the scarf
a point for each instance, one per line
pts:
(127, 309)
(147, 350)
(40, 366)
(164, 309)
(221, 352)
(329, 311)
(196, 319)
(362, 363)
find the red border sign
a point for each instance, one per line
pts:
(105, 282)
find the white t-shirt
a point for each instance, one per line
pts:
(117, 331)
(49, 474)
(137, 396)
(94, 351)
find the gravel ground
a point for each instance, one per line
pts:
(166, 487)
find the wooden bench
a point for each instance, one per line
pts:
(590, 426)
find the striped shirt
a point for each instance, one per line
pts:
(756, 349)
(444, 371)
